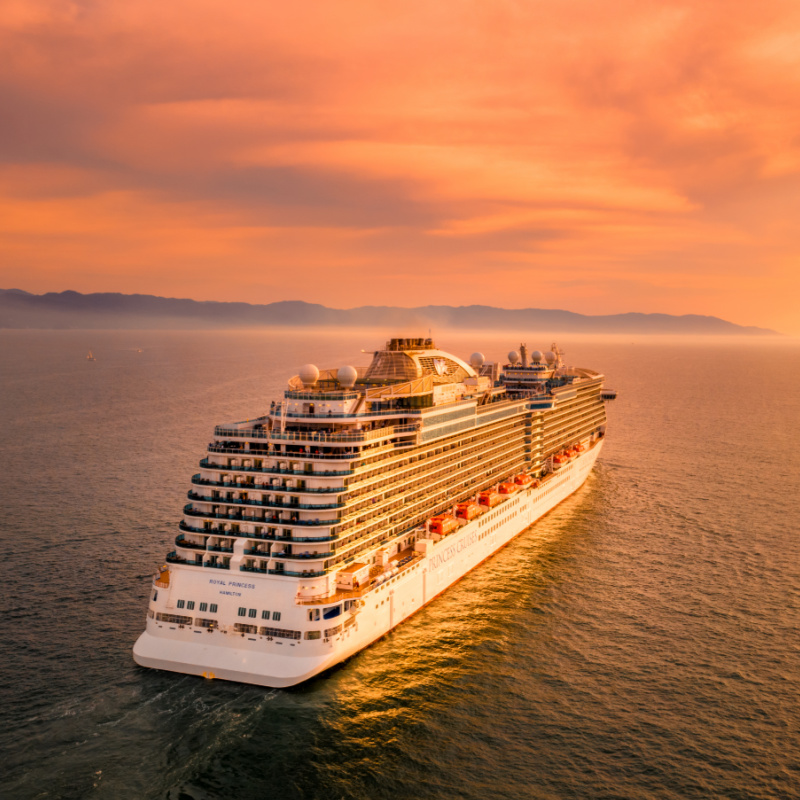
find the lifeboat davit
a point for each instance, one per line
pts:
(508, 487)
(442, 524)
(468, 510)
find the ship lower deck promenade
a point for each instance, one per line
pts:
(285, 565)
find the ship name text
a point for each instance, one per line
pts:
(440, 558)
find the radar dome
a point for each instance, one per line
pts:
(347, 376)
(309, 374)
(550, 357)
(476, 360)
(513, 357)
(536, 356)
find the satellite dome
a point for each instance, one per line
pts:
(513, 357)
(309, 374)
(536, 356)
(476, 360)
(550, 357)
(347, 376)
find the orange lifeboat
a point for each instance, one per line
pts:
(162, 579)
(468, 510)
(523, 480)
(579, 447)
(508, 487)
(443, 524)
(489, 498)
(559, 459)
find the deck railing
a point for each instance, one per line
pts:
(262, 503)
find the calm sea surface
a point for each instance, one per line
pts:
(641, 641)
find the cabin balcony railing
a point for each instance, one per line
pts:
(273, 470)
(398, 412)
(304, 574)
(262, 570)
(296, 394)
(246, 433)
(303, 555)
(213, 447)
(198, 480)
(356, 436)
(260, 536)
(217, 549)
(263, 503)
(251, 551)
(174, 558)
(316, 457)
(180, 541)
(193, 512)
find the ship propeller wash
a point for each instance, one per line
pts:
(316, 528)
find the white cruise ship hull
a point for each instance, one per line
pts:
(250, 658)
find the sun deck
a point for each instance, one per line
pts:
(401, 561)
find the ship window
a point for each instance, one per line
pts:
(330, 613)
(313, 634)
(155, 596)
(204, 606)
(177, 619)
(181, 603)
(190, 605)
(265, 615)
(251, 613)
(242, 611)
(276, 615)
(213, 608)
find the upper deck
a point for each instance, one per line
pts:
(410, 392)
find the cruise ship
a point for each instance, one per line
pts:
(314, 529)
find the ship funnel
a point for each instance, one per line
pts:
(523, 349)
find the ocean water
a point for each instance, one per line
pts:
(641, 641)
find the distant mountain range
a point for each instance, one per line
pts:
(72, 310)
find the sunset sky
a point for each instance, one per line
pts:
(590, 155)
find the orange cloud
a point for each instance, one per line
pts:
(596, 157)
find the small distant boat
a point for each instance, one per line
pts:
(90, 357)
(139, 350)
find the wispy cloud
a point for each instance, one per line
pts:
(598, 157)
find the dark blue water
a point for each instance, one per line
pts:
(639, 642)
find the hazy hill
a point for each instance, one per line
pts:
(63, 310)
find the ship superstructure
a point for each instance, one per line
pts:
(315, 528)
